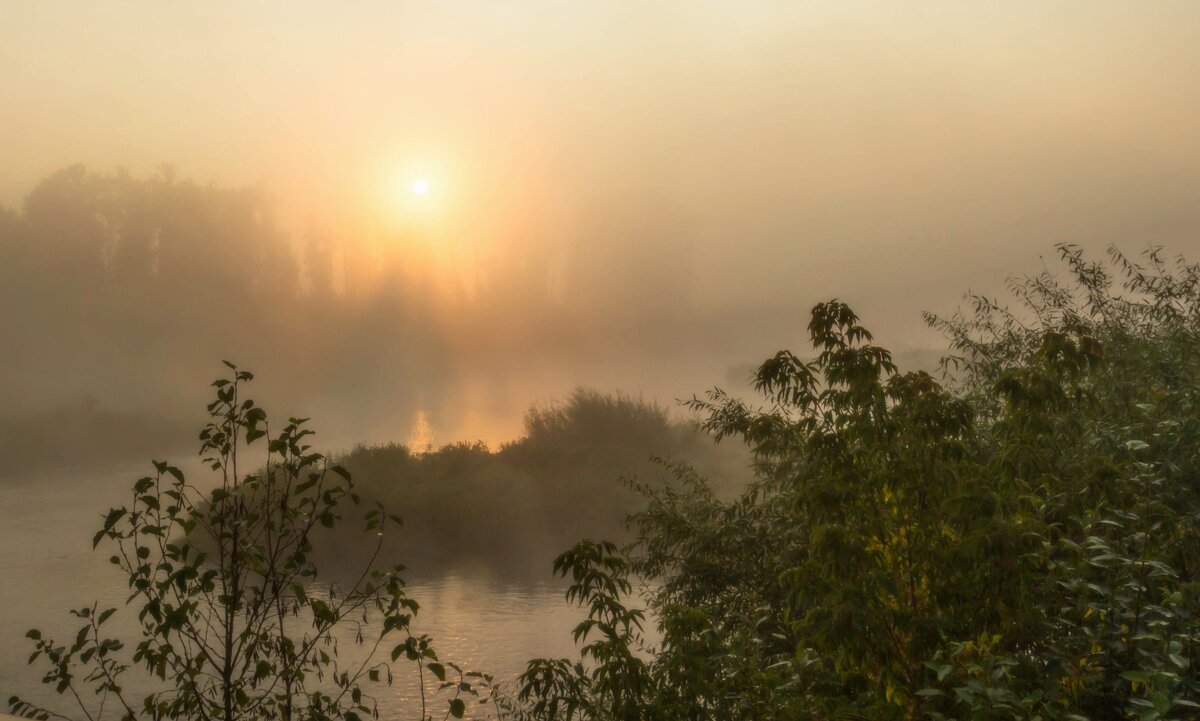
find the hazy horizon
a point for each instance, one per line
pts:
(644, 198)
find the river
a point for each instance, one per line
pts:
(47, 567)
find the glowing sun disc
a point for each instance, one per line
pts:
(420, 186)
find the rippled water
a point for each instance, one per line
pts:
(47, 567)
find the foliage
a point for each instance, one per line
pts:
(618, 677)
(1017, 541)
(469, 506)
(233, 622)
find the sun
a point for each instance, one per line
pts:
(413, 192)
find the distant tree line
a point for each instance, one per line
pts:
(117, 292)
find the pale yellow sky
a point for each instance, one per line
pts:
(766, 153)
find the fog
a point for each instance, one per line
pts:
(626, 196)
(487, 248)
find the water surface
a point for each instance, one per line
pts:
(47, 567)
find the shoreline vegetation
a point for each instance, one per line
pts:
(503, 513)
(510, 511)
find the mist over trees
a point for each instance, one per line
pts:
(118, 292)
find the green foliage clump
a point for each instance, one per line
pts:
(466, 505)
(1017, 540)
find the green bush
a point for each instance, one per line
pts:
(509, 511)
(1019, 540)
(231, 625)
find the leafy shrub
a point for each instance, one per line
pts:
(232, 626)
(501, 510)
(1016, 541)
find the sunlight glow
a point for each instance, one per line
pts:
(413, 189)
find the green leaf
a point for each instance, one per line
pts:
(457, 708)
(113, 516)
(323, 612)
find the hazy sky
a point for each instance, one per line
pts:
(756, 154)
